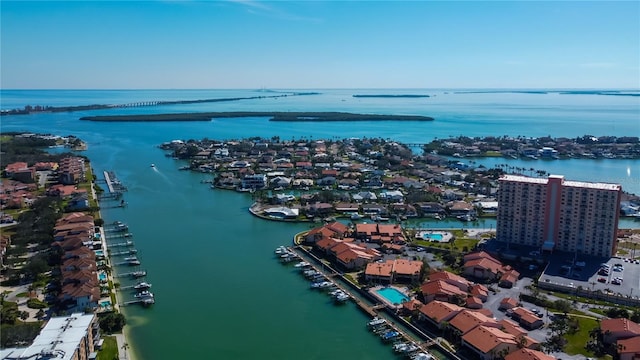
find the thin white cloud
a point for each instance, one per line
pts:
(598, 65)
(263, 9)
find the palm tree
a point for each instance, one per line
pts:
(125, 347)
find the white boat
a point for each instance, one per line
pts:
(142, 286)
(144, 294)
(400, 347)
(153, 165)
(138, 274)
(421, 356)
(302, 264)
(376, 321)
(321, 284)
(356, 216)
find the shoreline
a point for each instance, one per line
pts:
(273, 115)
(121, 338)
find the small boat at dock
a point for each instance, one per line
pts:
(376, 321)
(142, 286)
(143, 295)
(138, 274)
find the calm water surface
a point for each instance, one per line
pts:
(220, 292)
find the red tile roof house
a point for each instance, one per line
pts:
(489, 342)
(526, 318)
(528, 354)
(317, 234)
(466, 320)
(482, 266)
(480, 291)
(618, 329)
(409, 307)
(509, 278)
(353, 256)
(451, 278)
(441, 290)
(394, 271)
(12, 168)
(511, 327)
(508, 303)
(629, 349)
(473, 303)
(438, 312)
(379, 272)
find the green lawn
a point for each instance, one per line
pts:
(109, 349)
(576, 342)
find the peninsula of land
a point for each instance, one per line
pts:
(40, 108)
(390, 96)
(273, 115)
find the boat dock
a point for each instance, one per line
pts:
(145, 302)
(126, 243)
(114, 185)
(122, 253)
(405, 329)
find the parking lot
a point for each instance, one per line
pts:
(622, 277)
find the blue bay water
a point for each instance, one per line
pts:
(220, 292)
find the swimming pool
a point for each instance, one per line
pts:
(435, 237)
(392, 295)
(105, 303)
(102, 276)
(99, 253)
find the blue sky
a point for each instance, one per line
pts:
(319, 44)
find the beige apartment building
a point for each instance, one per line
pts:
(557, 214)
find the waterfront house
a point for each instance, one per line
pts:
(281, 212)
(319, 209)
(379, 272)
(618, 329)
(431, 209)
(339, 229)
(410, 307)
(404, 209)
(489, 342)
(353, 256)
(394, 271)
(529, 354)
(347, 207)
(438, 313)
(254, 181)
(78, 297)
(395, 196)
(374, 209)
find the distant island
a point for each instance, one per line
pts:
(274, 116)
(391, 96)
(40, 108)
